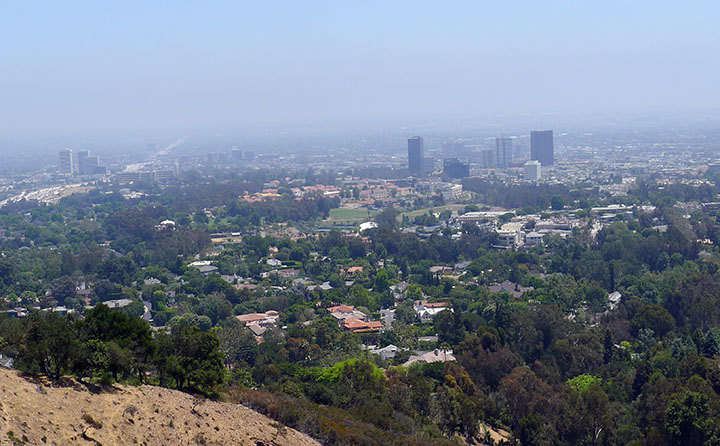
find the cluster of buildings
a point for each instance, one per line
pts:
(148, 176)
(259, 323)
(80, 163)
(354, 320)
(541, 154)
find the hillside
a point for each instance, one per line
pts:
(37, 411)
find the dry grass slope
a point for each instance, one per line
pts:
(38, 412)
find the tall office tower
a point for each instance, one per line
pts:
(415, 155)
(66, 161)
(533, 171)
(488, 159)
(91, 165)
(541, 147)
(150, 148)
(82, 167)
(503, 151)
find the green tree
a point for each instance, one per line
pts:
(653, 317)
(687, 419)
(557, 202)
(387, 218)
(382, 282)
(192, 358)
(238, 344)
(63, 289)
(48, 344)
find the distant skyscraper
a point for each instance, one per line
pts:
(66, 161)
(541, 147)
(503, 151)
(82, 167)
(533, 170)
(91, 166)
(488, 159)
(415, 155)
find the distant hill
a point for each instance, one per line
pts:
(36, 411)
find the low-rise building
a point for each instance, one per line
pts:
(268, 318)
(508, 239)
(532, 171)
(344, 312)
(515, 289)
(385, 353)
(436, 355)
(359, 326)
(426, 311)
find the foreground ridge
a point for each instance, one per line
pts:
(38, 411)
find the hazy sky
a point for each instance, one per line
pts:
(84, 67)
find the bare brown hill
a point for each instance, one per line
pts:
(37, 412)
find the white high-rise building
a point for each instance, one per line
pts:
(66, 161)
(533, 170)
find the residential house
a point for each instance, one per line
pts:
(358, 326)
(207, 269)
(398, 290)
(388, 317)
(614, 299)
(343, 312)
(118, 303)
(514, 289)
(436, 355)
(269, 318)
(353, 270)
(325, 286)
(426, 311)
(259, 323)
(387, 352)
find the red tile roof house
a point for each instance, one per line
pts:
(358, 326)
(354, 270)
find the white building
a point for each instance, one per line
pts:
(426, 311)
(533, 170)
(385, 353)
(66, 161)
(452, 191)
(508, 239)
(534, 238)
(436, 355)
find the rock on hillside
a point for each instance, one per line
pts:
(37, 412)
